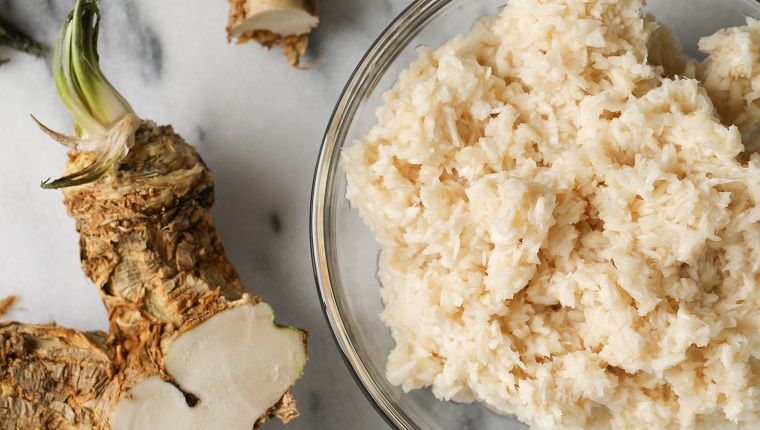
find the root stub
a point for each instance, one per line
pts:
(285, 23)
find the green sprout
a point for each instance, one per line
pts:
(104, 122)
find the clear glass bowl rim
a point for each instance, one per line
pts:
(364, 78)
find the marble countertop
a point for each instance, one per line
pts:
(257, 123)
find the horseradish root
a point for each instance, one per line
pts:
(188, 347)
(285, 23)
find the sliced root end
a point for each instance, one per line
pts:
(238, 365)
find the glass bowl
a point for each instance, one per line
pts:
(344, 251)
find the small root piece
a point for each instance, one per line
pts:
(285, 23)
(6, 304)
(285, 410)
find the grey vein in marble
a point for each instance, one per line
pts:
(275, 223)
(40, 19)
(201, 141)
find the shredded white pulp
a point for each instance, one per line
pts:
(569, 219)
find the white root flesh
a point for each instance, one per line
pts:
(235, 366)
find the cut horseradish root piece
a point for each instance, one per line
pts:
(188, 347)
(283, 17)
(285, 23)
(228, 372)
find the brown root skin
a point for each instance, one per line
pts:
(54, 378)
(293, 46)
(149, 245)
(258, 20)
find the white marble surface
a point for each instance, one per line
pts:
(258, 124)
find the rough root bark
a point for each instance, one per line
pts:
(54, 378)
